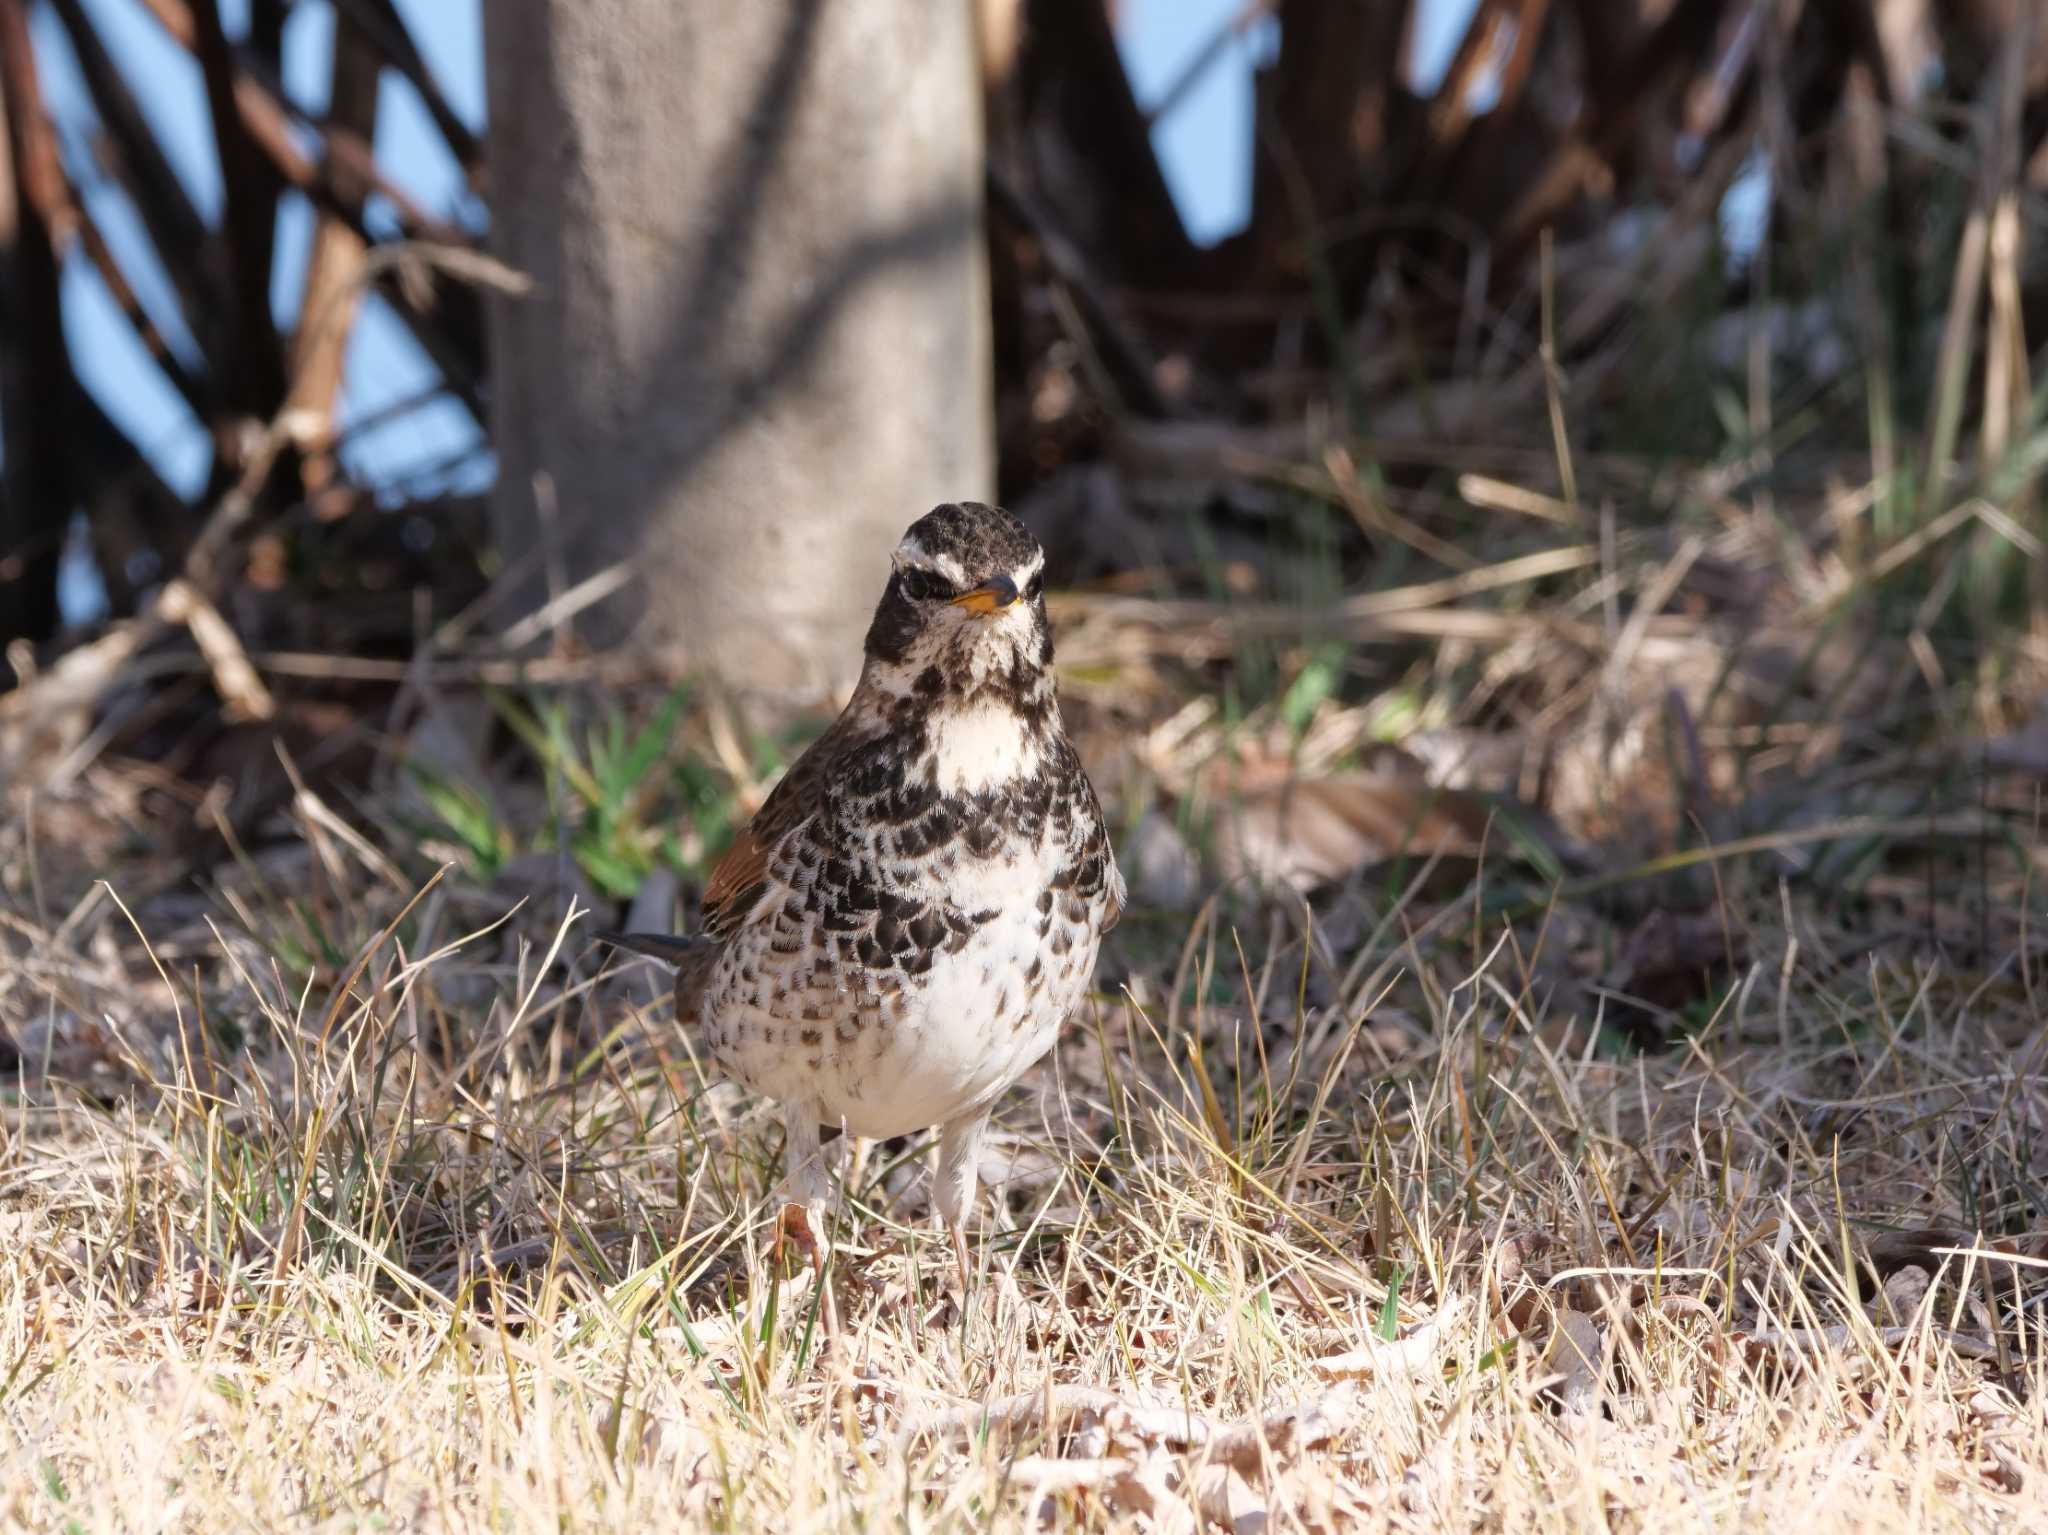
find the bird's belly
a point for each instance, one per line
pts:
(900, 1051)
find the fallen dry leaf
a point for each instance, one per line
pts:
(1420, 1351)
(1278, 828)
(1227, 1499)
(1571, 1355)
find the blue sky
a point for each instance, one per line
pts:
(1204, 146)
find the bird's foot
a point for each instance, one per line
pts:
(793, 1229)
(796, 1228)
(950, 1302)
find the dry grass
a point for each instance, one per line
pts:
(449, 1232)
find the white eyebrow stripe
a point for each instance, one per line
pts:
(911, 553)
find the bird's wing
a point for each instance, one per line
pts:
(1113, 893)
(1118, 892)
(741, 874)
(1091, 868)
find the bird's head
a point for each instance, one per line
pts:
(964, 611)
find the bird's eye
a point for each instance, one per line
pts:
(922, 585)
(1036, 588)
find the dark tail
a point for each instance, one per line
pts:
(662, 946)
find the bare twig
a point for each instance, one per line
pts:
(334, 270)
(233, 677)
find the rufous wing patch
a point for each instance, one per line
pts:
(739, 876)
(735, 884)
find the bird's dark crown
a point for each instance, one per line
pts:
(969, 542)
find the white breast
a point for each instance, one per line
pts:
(979, 747)
(975, 1025)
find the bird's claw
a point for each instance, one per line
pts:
(793, 1228)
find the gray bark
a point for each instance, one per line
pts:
(758, 344)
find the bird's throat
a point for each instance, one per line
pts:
(979, 745)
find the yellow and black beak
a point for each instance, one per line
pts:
(989, 597)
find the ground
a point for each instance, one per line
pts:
(350, 1202)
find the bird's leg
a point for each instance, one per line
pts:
(953, 1184)
(960, 1258)
(806, 1216)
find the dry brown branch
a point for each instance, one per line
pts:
(1134, 370)
(1451, 111)
(334, 271)
(1498, 495)
(102, 257)
(252, 376)
(1376, 519)
(63, 213)
(1204, 58)
(381, 22)
(455, 339)
(1324, 113)
(1609, 121)
(233, 677)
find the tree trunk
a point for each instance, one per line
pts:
(757, 347)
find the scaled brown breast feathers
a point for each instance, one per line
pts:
(741, 873)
